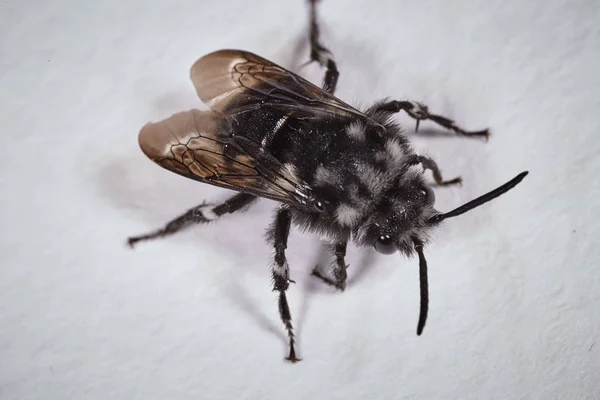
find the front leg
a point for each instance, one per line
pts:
(429, 164)
(420, 111)
(338, 269)
(281, 273)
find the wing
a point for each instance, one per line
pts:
(235, 81)
(190, 143)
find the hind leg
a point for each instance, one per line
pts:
(201, 214)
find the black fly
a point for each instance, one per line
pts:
(345, 174)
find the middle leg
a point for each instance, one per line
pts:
(420, 111)
(338, 268)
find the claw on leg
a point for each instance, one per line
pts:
(341, 286)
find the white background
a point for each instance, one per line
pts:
(515, 285)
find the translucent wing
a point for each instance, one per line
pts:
(191, 144)
(235, 81)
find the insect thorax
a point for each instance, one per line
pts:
(354, 166)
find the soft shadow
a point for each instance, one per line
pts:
(244, 302)
(364, 264)
(311, 285)
(154, 196)
(431, 133)
(356, 273)
(299, 53)
(359, 64)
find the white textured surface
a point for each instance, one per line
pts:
(515, 286)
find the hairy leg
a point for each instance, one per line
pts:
(278, 234)
(338, 269)
(320, 53)
(201, 214)
(420, 111)
(429, 164)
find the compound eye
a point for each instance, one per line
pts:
(428, 195)
(319, 206)
(385, 245)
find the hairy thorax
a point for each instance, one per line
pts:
(352, 171)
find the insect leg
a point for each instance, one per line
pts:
(320, 53)
(281, 273)
(339, 269)
(429, 164)
(420, 111)
(197, 215)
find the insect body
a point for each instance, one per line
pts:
(345, 174)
